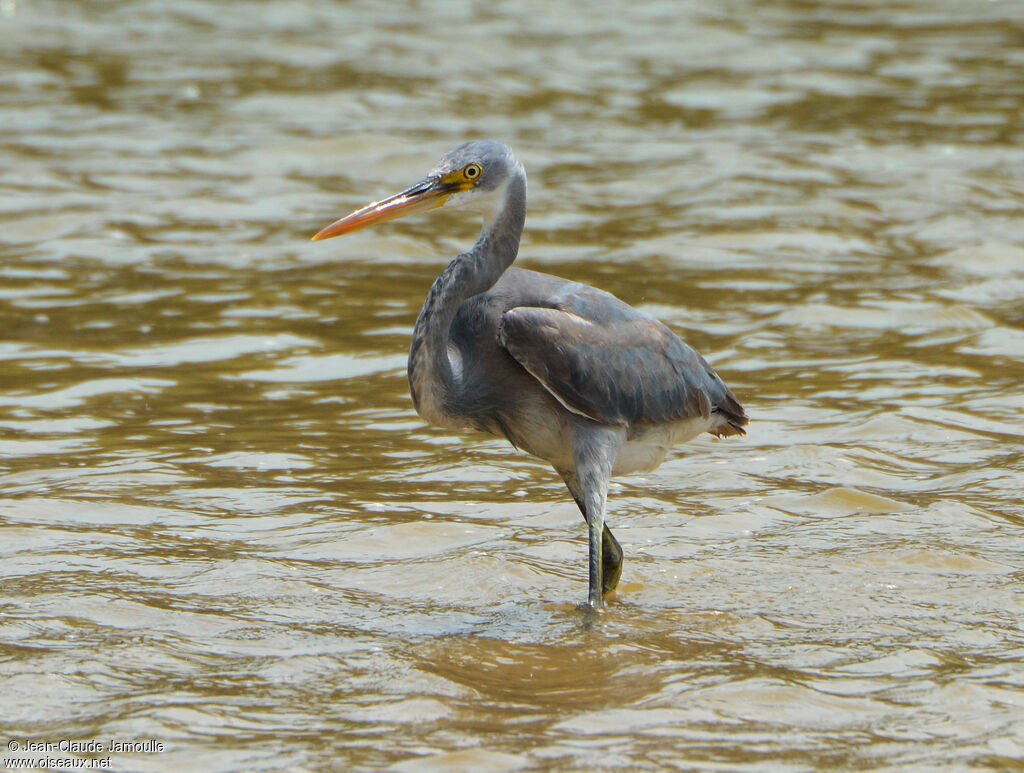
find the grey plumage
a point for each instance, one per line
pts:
(566, 372)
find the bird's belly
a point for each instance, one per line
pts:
(546, 433)
(649, 446)
(540, 427)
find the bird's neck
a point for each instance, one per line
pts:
(431, 379)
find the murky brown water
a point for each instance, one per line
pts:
(223, 527)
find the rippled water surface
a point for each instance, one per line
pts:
(224, 528)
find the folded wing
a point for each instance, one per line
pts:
(616, 365)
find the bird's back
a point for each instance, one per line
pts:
(596, 356)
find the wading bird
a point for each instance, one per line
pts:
(565, 372)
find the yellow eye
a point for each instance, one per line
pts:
(472, 172)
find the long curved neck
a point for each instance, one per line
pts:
(430, 369)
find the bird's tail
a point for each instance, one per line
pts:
(735, 417)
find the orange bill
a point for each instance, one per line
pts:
(427, 194)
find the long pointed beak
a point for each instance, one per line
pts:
(429, 193)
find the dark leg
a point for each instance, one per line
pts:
(611, 550)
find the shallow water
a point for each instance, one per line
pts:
(223, 527)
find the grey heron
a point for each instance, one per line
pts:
(564, 371)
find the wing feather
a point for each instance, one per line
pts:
(615, 365)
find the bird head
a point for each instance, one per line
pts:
(474, 174)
